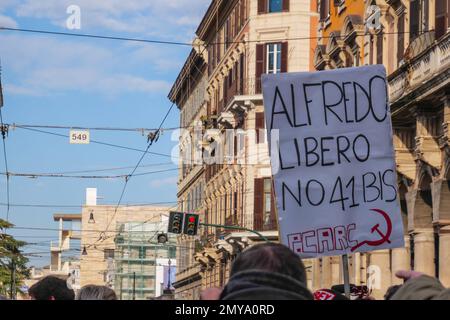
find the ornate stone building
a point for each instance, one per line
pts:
(411, 38)
(239, 40)
(189, 94)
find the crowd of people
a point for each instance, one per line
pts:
(268, 271)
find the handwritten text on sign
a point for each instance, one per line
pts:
(332, 159)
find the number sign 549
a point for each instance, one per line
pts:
(79, 137)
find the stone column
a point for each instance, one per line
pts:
(379, 277)
(336, 270)
(401, 260)
(326, 280)
(424, 252)
(355, 274)
(444, 256)
(316, 275)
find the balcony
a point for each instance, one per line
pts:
(426, 70)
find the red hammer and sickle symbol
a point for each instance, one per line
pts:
(376, 228)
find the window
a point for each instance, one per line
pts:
(270, 58)
(108, 253)
(269, 6)
(273, 58)
(275, 5)
(141, 252)
(267, 200)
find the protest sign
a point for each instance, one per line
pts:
(330, 138)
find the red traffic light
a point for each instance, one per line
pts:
(190, 227)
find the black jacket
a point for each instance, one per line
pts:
(262, 285)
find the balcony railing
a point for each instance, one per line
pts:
(427, 63)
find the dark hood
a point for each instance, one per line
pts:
(262, 285)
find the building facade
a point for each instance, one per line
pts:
(238, 40)
(411, 38)
(140, 260)
(189, 94)
(100, 230)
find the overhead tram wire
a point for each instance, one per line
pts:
(124, 205)
(99, 142)
(177, 43)
(55, 175)
(137, 166)
(85, 35)
(73, 206)
(41, 126)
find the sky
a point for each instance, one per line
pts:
(74, 81)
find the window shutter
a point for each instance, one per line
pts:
(242, 12)
(371, 50)
(425, 15)
(324, 9)
(241, 73)
(284, 57)
(260, 59)
(380, 48)
(225, 92)
(286, 5)
(258, 203)
(414, 18)
(442, 17)
(236, 21)
(259, 124)
(262, 6)
(401, 38)
(273, 214)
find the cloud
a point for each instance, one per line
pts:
(151, 17)
(37, 65)
(7, 22)
(164, 182)
(18, 90)
(52, 65)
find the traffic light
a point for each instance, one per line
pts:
(191, 224)
(175, 222)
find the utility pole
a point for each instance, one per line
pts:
(168, 280)
(134, 285)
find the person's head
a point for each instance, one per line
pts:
(92, 292)
(270, 257)
(268, 271)
(391, 291)
(51, 288)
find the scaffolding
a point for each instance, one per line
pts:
(137, 256)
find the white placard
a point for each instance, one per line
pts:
(79, 137)
(332, 156)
